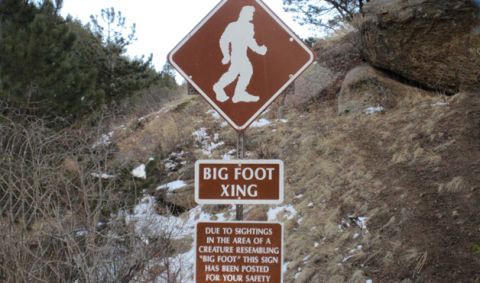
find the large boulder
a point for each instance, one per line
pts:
(434, 43)
(310, 84)
(366, 89)
(322, 80)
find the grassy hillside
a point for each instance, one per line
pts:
(387, 196)
(382, 173)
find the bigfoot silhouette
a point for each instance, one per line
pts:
(235, 41)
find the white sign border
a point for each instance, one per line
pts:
(240, 201)
(242, 222)
(270, 101)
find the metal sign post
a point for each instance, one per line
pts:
(240, 155)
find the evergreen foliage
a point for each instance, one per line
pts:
(167, 76)
(54, 67)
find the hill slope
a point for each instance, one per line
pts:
(388, 196)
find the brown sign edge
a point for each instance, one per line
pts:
(274, 96)
(242, 222)
(240, 201)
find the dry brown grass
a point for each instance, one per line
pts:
(160, 132)
(57, 219)
(391, 168)
(344, 166)
(456, 185)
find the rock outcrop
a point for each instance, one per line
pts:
(315, 79)
(322, 80)
(433, 43)
(366, 87)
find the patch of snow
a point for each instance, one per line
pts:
(205, 142)
(298, 196)
(103, 176)
(140, 172)
(174, 160)
(101, 224)
(369, 281)
(80, 232)
(148, 223)
(262, 122)
(170, 165)
(229, 155)
(200, 134)
(440, 104)
(373, 110)
(104, 140)
(347, 258)
(283, 120)
(180, 154)
(285, 266)
(310, 204)
(208, 150)
(297, 274)
(316, 244)
(356, 235)
(305, 259)
(345, 223)
(223, 124)
(361, 222)
(288, 211)
(182, 266)
(172, 186)
(214, 114)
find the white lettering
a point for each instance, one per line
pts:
(215, 173)
(259, 174)
(231, 190)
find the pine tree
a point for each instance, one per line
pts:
(168, 76)
(120, 76)
(38, 71)
(54, 67)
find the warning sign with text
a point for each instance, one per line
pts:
(239, 181)
(240, 58)
(238, 252)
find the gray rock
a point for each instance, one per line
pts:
(433, 43)
(313, 81)
(366, 87)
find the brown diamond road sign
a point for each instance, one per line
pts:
(241, 57)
